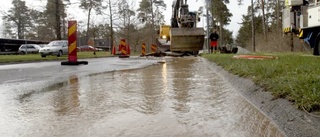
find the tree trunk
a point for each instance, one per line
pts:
(65, 35)
(128, 33)
(111, 26)
(125, 24)
(58, 27)
(212, 18)
(19, 32)
(252, 27)
(152, 16)
(278, 16)
(88, 24)
(291, 42)
(208, 29)
(221, 34)
(263, 20)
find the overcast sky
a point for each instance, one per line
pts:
(75, 13)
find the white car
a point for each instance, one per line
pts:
(57, 47)
(29, 48)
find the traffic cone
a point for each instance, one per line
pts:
(114, 50)
(128, 49)
(143, 49)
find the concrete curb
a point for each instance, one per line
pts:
(292, 121)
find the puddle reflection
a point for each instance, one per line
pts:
(67, 99)
(182, 97)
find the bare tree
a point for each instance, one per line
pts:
(111, 5)
(126, 17)
(262, 4)
(89, 5)
(150, 17)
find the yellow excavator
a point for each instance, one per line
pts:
(182, 36)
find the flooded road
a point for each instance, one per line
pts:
(181, 97)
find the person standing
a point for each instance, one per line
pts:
(214, 41)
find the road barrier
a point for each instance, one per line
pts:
(128, 49)
(153, 48)
(114, 52)
(143, 49)
(72, 45)
(123, 49)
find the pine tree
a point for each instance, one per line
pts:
(221, 15)
(18, 18)
(89, 5)
(55, 13)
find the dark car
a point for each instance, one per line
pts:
(87, 48)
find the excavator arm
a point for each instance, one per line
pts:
(175, 8)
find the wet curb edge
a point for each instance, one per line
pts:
(292, 121)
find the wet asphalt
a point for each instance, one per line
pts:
(132, 97)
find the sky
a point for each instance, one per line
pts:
(74, 12)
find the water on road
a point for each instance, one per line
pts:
(182, 97)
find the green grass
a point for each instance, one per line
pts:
(37, 57)
(293, 76)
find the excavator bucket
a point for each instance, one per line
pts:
(186, 39)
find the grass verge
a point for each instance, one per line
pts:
(37, 57)
(292, 76)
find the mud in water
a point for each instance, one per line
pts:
(179, 98)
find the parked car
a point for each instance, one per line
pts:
(29, 48)
(99, 49)
(42, 45)
(87, 48)
(57, 47)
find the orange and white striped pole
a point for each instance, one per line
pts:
(153, 48)
(72, 41)
(72, 45)
(143, 49)
(123, 49)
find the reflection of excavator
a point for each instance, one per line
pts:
(182, 36)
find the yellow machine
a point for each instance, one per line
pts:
(165, 31)
(164, 38)
(182, 35)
